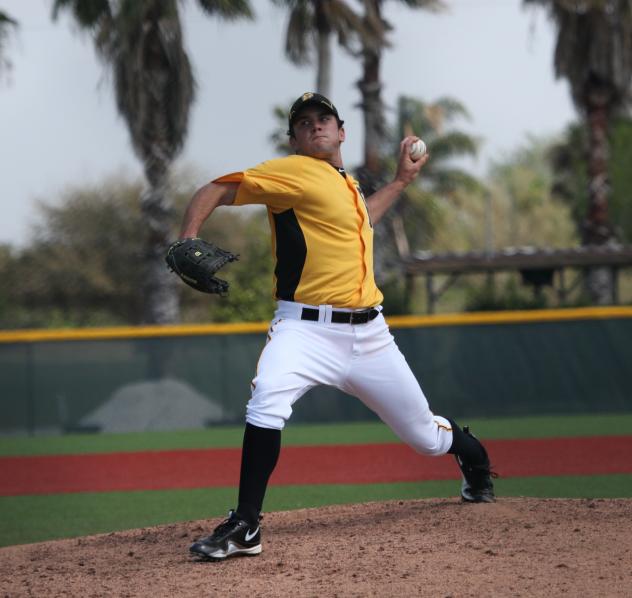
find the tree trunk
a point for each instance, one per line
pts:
(154, 142)
(596, 228)
(400, 236)
(323, 48)
(371, 174)
(372, 108)
(160, 287)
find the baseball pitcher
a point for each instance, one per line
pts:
(328, 327)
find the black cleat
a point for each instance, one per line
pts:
(477, 483)
(232, 537)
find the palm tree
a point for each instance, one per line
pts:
(372, 173)
(6, 24)
(410, 223)
(279, 135)
(594, 53)
(568, 155)
(374, 41)
(434, 121)
(310, 27)
(140, 42)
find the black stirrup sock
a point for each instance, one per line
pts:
(465, 446)
(260, 453)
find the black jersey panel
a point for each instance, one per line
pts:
(291, 252)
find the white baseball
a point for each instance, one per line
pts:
(417, 150)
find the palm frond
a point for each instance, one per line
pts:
(352, 30)
(230, 10)
(5, 19)
(594, 46)
(422, 118)
(452, 108)
(142, 46)
(279, 137)
(7, 24)
(430, 5)
(448, 180)
(299, 35)
(309, 18)
(453, 144)
(445, 144)
(376, 28)
(87, 13)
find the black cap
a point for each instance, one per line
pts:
(311, 98)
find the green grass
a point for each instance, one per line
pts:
(302, 434)
(25, 519)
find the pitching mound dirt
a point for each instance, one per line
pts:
(516, 547)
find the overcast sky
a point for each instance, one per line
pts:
(59, 126)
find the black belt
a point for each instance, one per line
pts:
(342, 317)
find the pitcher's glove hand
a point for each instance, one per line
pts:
(195, 261)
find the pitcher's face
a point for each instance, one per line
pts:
(316, 134)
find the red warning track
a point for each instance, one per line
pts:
(337, 464)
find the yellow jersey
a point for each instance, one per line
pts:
(322, 237)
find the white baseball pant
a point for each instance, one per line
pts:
(359, 359)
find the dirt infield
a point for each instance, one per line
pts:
(351, 464)
(438, 548)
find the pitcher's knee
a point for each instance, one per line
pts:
(266, 413)
(269, 406)
(261, 419)
(428, 447)
(432, 439)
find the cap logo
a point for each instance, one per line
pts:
(307, 96)
(323, 101)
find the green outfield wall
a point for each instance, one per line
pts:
(469, 365)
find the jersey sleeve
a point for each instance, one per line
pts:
(275, 183)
